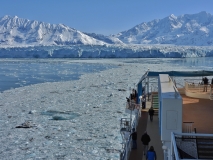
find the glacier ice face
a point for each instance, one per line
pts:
(107, 51)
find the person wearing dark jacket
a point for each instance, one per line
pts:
(151, 113)
(151, 154)
(134, 138)
(205, 82)
(145, 141)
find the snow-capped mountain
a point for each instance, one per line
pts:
(16, 31)
(107, 39)
(187, 29)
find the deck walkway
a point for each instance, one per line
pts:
(153, 131)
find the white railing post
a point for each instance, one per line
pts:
(174, 146)
(127, 154)
(171, 152)
(129, 147)
(210, 93)
(200, 88)
(168, 154)
(165, 154)
(186, 85)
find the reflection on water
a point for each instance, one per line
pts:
(16, 73)
(203, 63)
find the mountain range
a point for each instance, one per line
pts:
(187, 29)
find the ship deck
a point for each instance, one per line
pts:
(198, 112)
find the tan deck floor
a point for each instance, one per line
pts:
(199, 111)
(154, 133)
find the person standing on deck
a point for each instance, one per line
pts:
(151, 113)
(143, 102)
(151, 154)
(205, 82)
(134, 138)
(145, 140)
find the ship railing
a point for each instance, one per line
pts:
(127, 140)
(211, 93)
(188, 127)
(173, 152)
(126, 151)
(196, 87)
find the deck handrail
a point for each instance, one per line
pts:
(127, 148)
(187, 127)
(195, 130)
(211, 92)
(174, 151)
(196, 87)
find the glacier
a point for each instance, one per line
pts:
(107, 51)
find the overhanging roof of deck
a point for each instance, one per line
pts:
(182, 73)
(203, 73)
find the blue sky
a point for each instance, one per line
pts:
(101, 16)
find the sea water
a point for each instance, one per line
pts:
(16, 73)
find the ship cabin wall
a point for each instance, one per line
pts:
(170, 118)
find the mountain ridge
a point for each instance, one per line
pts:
(187, 29)
(16, 31)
